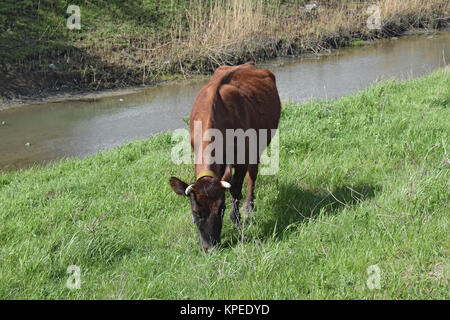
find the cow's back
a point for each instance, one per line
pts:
(238, 97)
(249, 100)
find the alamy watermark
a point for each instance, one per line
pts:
(234, 146)
(74, 20)
(374, 21)
(374, 273)
(74, 280)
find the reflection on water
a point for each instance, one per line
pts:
(352, 69)
(80, 128)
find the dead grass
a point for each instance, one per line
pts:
(238, 30)
(205, 36)
(235, 31)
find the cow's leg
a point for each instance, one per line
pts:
(252, 173)
(236, 193)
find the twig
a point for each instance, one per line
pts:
(376, 204)
(425, 159)
(344, 204)
(426, 155)
(446, 160)
(119, 295)
(312, 210)
(312, 219)
(389, 234)
(181, 67)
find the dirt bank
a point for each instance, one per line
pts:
(107, 55)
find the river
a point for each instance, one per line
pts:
(40, 133)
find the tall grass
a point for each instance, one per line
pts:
(363, 180)
(230, 32)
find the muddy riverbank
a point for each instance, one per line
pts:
(71, 94)
(36, 134)
(131, 46)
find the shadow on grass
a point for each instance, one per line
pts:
(296, 205)
(35, 78)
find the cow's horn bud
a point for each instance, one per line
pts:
(188, 190)
(225, 184)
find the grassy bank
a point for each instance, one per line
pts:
(131, 43)
(363, 181)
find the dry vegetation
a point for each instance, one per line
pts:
(235, 31)
(194, 37)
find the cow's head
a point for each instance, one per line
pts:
(207, 197)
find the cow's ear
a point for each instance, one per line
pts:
(178, 186)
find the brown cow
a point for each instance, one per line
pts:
(240, 97)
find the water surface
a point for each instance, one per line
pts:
(51, 131)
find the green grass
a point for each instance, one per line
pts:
(358, 43)
(30, 27)
(312, 237)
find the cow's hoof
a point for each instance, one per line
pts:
(249, 208)
(236, 218)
